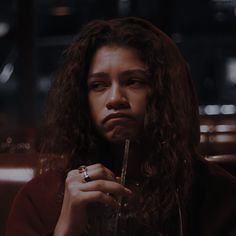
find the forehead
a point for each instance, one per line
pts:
(115, 57)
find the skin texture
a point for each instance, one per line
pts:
(78, 194)
(170, 142)
(117, 86)
(117, 93)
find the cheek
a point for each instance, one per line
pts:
(139, 104)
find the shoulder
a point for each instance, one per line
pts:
(44, 190)
(37, 205)
(215, 179)
(213, 199)
(44, 186)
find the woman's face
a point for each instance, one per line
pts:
(117, 93)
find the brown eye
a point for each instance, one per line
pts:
(97, 86)
(136, 82)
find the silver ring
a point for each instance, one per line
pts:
(84, 171)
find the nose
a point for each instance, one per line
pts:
(117, 98)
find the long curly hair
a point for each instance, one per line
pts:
(171, 127)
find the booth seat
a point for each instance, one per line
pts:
(218, 135)
(15, 171)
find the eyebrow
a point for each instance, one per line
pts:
(121, 74)
(97, 75)
(134, 72)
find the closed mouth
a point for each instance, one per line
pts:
(117, 116)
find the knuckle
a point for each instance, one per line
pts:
(68, 180)
(71, 173)
(99, 165)
(100, 195)
(110, 175)
(103, 172)
(71, 187)
(74, 193)
(99, 184)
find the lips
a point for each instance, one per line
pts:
(117, 116)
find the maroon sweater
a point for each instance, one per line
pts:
(37, 206)
(211, 211)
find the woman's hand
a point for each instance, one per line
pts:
(102, 188)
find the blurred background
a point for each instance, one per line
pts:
(34, 33)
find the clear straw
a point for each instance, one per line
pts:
(122, 181)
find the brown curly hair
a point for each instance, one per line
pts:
(172, 127)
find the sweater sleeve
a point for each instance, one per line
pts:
(24, 218)
(36, 208)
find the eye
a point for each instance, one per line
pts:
(97, 86)
(136, 82)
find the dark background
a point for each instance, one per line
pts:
(34, 33)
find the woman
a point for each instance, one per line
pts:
(123, 81)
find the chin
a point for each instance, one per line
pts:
(119, 136)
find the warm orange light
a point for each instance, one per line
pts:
(61, 11)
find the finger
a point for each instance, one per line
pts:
(74, 175)
(101, 173)
(106, 187)
(118, 179)
(97, 196)
(95, 172)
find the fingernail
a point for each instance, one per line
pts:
(128, 191)
(118, 179)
